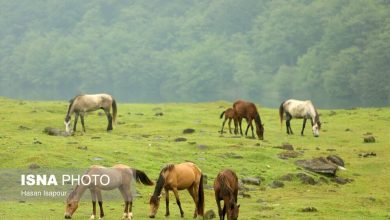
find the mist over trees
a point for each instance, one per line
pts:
(336, 53)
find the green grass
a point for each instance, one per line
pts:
(147, 142)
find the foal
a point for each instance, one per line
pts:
(231, 115)
(249, 111)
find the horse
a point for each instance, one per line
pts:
(81, 104)
(229, 114)
(99, 178)
(300, 109)
(179, 177)
(248, 110)
(226, 189)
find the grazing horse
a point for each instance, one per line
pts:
(226, 189)
(248, 111)
(99, 178)
(81, 104)
(229, 114)
(300, 109)
(179, 177)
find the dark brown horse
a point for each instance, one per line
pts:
(99, 178)
(81, 104)
(248, 110)
(179, 177)
(229, 114)
(226, 189)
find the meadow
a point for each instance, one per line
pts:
(145, 141)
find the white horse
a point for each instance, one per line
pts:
(300, 109)
(81, 104)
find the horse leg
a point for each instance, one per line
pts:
(76, 117)
(223, 125)
(178, 201)
(288, 126)
(126, 194)
(249, 122)
(100, 202)
(93, 197)
(235, 126)
(219, 207)
(193, 193)
(109, 119)
(82, 121)
(239, 123)
(230, 127)
(303, 126)
(166, 202)
(223, 211)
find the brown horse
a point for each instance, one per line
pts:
(229, 114)
(81, 104)
(99, 178)
(179, 177)
(226, 189)
(248, 111)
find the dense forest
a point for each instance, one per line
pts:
(336, 53)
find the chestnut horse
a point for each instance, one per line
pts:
(248, 110)
(226, 189)
(99, 178)
(179, 177)
(300, 109)
(229, 114)
(81, 104)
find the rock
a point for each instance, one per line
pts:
(251, 181)
(336, 160)
(36, 141)
(146, 135)
(319, 165)
(369, 139)
(210, 214)
(367, 154)
(95, 137)
(276, 184)
(309, 209)
(33, 166)
(180, 139)
(340, 180)
(22, 127)
(55, 132)
(286, 177)
(202, 147)
(287, 146)
(82, 147)
(288, 154)
(306, 179)
(188, 131)
(348, 129)
(234, 156)
(158, 114)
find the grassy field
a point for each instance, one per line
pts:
(146, 142)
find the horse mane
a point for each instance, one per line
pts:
(226, 189)
(160, 182)
(71, 101)
(317, 119)
(258, 119)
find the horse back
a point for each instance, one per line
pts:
(245, 109)
(182, 176)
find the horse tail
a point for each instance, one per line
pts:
(200, 205)
(222, 114)
(140, 176)
(114, 110)
(281, 112)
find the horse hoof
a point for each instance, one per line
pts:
(92, 217)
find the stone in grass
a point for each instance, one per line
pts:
(180, 139)
(306, 179)
(286, 177)
(369, 139)
(251, 181)
(276, 184)
(33, 166)
(309, 209)
(82, 147)
(188, 131)
(288, 154)
(210, 214)
(159, 114)
(336, 160)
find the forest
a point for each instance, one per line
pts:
(336, 53)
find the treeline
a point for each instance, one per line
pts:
(336, 53)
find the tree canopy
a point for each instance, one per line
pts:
(336, 53)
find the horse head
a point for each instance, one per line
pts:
(260, 131)
(154, 204)
(67, 123)
(71, 206)
(316, 129)
(232, 211)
